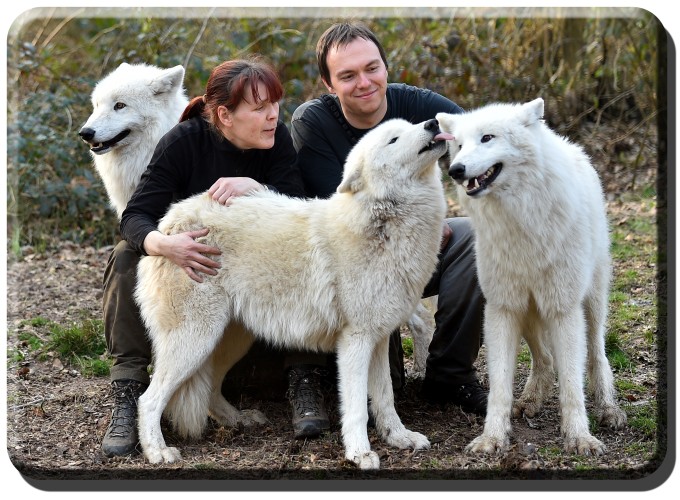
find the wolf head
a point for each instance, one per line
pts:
(135, 102)
(394, 150)
(133, 107)
(492, 146)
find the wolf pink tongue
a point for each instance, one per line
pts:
(443, 136)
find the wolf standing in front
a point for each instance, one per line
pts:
(346, 272)
(133, 107)
(542, 251)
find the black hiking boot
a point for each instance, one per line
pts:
(470, 396)
(304, 392)
(121, 436)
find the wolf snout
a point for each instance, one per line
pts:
(457, 171)
(87, 134)
(432, 125)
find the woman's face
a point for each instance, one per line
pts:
(252, 125)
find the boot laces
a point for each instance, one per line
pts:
(123, 417)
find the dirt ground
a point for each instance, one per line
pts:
(57, 417)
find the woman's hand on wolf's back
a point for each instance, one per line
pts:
(226, 188)
(183, 250)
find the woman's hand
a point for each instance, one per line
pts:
(183, 250)
(227, 188)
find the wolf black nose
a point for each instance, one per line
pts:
(86, 134)
(432, 125)
(457, 171)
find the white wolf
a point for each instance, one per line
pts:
(133, 107)
(542, 249)
(348, 270)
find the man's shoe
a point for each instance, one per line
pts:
(304, 392)
(121, 436)
(470, 396)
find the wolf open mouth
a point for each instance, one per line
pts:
(480, 183)
(102, 147)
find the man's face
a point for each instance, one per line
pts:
(359, 79)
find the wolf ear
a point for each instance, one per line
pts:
(352, 182)
(170, 79)
(532, 112)
(445, 121)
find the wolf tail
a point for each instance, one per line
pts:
(187, 411)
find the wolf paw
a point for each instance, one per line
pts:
(250, 418)
(160, 455)
(527, 407)
(612, 417)
(408, 439)
(365, 461)
(488, 444)
(584, 445)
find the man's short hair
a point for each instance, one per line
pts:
(340, 35)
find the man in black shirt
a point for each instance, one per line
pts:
(353, 67)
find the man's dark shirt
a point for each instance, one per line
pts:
(323, 145)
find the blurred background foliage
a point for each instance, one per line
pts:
(598, 73)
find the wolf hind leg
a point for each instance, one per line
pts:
(421, 326)
(600, 376)
(541, 375)
(234, 345)
(568, 334)
(381, 395)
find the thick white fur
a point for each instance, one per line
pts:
(542, 247)
(143, 99)
(331, 275)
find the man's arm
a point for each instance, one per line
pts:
(320, 160)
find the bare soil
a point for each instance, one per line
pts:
(57, 417)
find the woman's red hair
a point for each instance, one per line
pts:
(227, 86)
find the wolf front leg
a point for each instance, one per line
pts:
(354, 351)
(502, 334)
(179, 355)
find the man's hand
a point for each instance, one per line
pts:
(446, 236)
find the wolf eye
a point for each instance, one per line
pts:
(394, 139)
(487, 137)
(118, 106)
